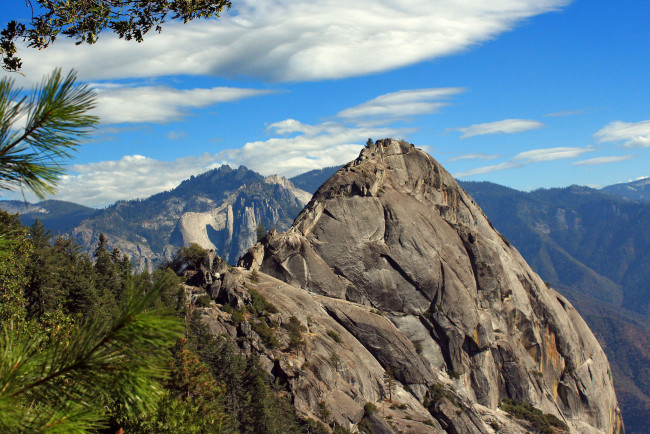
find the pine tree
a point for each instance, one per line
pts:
(15, 250)
(389, 382)
(60, 384)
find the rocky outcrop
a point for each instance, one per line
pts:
(231, 227)
(393, 233)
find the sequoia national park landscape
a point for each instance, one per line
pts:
(389, 301)
(233, 217)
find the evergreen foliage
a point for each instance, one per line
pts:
(56, 123)
(541, 422)
(260, 231)
(58, 383)
(88, 346)
(187, 257)
(84, 21)
(389, 382)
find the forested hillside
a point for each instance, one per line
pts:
(133, 346)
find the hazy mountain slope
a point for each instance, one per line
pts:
(393, 231)
(310, 181)
(577, 236)
(57, 215)
(635, 190)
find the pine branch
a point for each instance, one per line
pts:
(58, 386)
(57, 121)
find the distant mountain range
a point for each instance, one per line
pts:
(592, 245)
(635, 190)
(220, 209)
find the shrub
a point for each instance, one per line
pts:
(418, 347)
(259, 304)
(436, 393)
(324, 411)
(543, 423)
(237, 317)
(295, 329)
(369, 409)
(187, 257)
(332, 334)
(266, 334)
(203, 301)
(255, 277)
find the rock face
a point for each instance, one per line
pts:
(393, 233)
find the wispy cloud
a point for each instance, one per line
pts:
(528, 157)
(506, 126)
(604, 160)
(400, 104)
(176, 135)
(632, 135)
(294, 40)
(565, 113)
(161, 103)
(294, 147)
(479, 156)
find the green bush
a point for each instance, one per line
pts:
(237, 317)
(543, 423)
(188, 256)
(203, 301)
(295, 329)
(255, 277)
(332, 334)
(259, 304)
(369, 409)
(266, 334)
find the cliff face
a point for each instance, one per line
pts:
(393, 233)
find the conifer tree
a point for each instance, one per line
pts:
(59, 384)
(389, 382)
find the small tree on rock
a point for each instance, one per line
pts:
(389, 382)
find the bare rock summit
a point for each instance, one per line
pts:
(411, 274)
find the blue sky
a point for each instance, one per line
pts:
(524, 93)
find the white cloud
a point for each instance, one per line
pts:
(506, 126)
(295, 40)
(528, 157)
(633, 135)
(131, 177)
(314, 147)
(479, 156)
(399, 104)
(161, 103)
(136, 176)
(603, 160)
